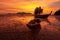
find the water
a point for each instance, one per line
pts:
(16, 26)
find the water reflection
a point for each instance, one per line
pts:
(26, 19)
(22, 19)
(47, 32)
(55, 23)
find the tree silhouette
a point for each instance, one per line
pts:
(38, 11)
(57, 12)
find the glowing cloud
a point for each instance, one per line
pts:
(26, 5)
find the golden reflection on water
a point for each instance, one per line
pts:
(26, 19)
(45, 25)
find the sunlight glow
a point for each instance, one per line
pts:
(26, 5)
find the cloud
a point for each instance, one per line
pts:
(24, 5)
(55, 4)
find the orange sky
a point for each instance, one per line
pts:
(13, 6)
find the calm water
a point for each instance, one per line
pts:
(54, 20)
(48, 32)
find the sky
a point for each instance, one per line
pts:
(13, 6)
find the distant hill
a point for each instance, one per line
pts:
(23, 13)
(18, 14)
